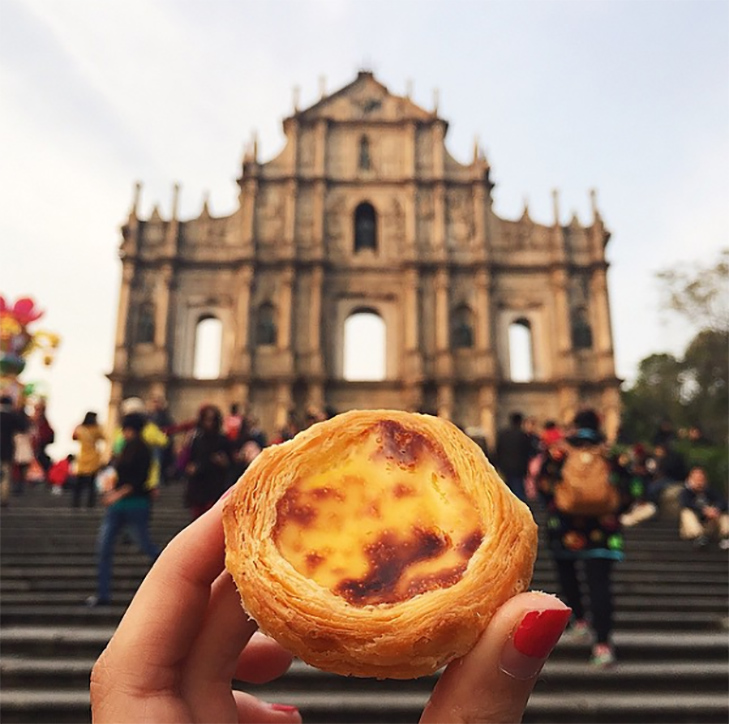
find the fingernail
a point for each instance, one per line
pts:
(528, 648)
(284, 707)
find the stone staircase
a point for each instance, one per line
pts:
(671, 631)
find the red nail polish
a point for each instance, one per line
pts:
(283, 707)
(539, 631)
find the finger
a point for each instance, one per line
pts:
(162, 621)
(251, 709)
(492, 683)
(213, 657)
(262, 660)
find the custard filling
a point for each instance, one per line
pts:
(385, 522)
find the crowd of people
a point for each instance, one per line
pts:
(590, 491)
(546, 468)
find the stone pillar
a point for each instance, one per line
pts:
(479, 218)
(290, 214)
(610, 409)
(242, 355)
(602, 334)
(487, 414)
(318, 214)
(483, 335)
(162, 306)
(316, 363)
(445, 401)
(320, 149)
(112, 418)
(439, 211)
(413, 358)
(283, 404)
(565, 361)
(121, 354)
(441, 311)
(285, 298)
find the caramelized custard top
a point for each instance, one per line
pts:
(387, 521)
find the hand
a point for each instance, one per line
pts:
(711, 512)
(111, 497)
(185, 637)
(191, 469)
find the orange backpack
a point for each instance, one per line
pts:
(585, 488)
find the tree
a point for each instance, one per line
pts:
(700, 294)
(692, 391)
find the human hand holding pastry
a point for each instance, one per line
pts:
(185, 637)
(424, 581)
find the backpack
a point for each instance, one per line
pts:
(585, 488)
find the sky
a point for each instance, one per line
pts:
(630, 97)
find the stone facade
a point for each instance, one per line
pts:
(365, 209)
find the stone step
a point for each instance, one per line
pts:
(394, 706)
(80, 615)
(63, 674)
(632, 612)
(88, 640)
(646, 592)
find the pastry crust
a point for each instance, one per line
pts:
(378, 543)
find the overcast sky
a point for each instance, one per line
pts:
(628, 97)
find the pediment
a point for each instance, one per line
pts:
(364, 99)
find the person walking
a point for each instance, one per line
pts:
(127, 506)
(585, 492)
(513, 451)
(209, 460)
(89, 436)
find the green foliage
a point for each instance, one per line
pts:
(692, 391)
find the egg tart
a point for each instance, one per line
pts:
(378, 543)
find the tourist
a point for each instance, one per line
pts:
(595, 540)
(23, 448)
(513, 451)
(163, 455)
(152, 435)
(185, 635)
(703, 512)
(127, 505)
(208, 462)
(42, 435)
(90, 437)
(9, 425)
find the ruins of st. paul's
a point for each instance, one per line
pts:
(364, 210)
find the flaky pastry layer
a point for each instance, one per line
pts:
(464, 543)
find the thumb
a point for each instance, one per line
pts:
(492, 683)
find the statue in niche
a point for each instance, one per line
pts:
(145, 324)
(581, 330)
(365, 162)
(462, 334)
(266, 327)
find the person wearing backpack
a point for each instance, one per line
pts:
(584, 492)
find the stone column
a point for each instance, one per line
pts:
(602, 334)
(413, 358)
(291, 190)
(441, 311)
(285, 298)
(242, 357)
(487, 414)
(318, 214)
(479, 217)
(483, 336)
(565, 362)
(445, 401)
(316, 365)
(439, 211)
(121, 353)
(283, 404)
(162, 306)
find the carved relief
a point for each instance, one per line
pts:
(460, 227)
(425, 214)
(305, 218)
(335, 221)
(395, 223)
(271, 214)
